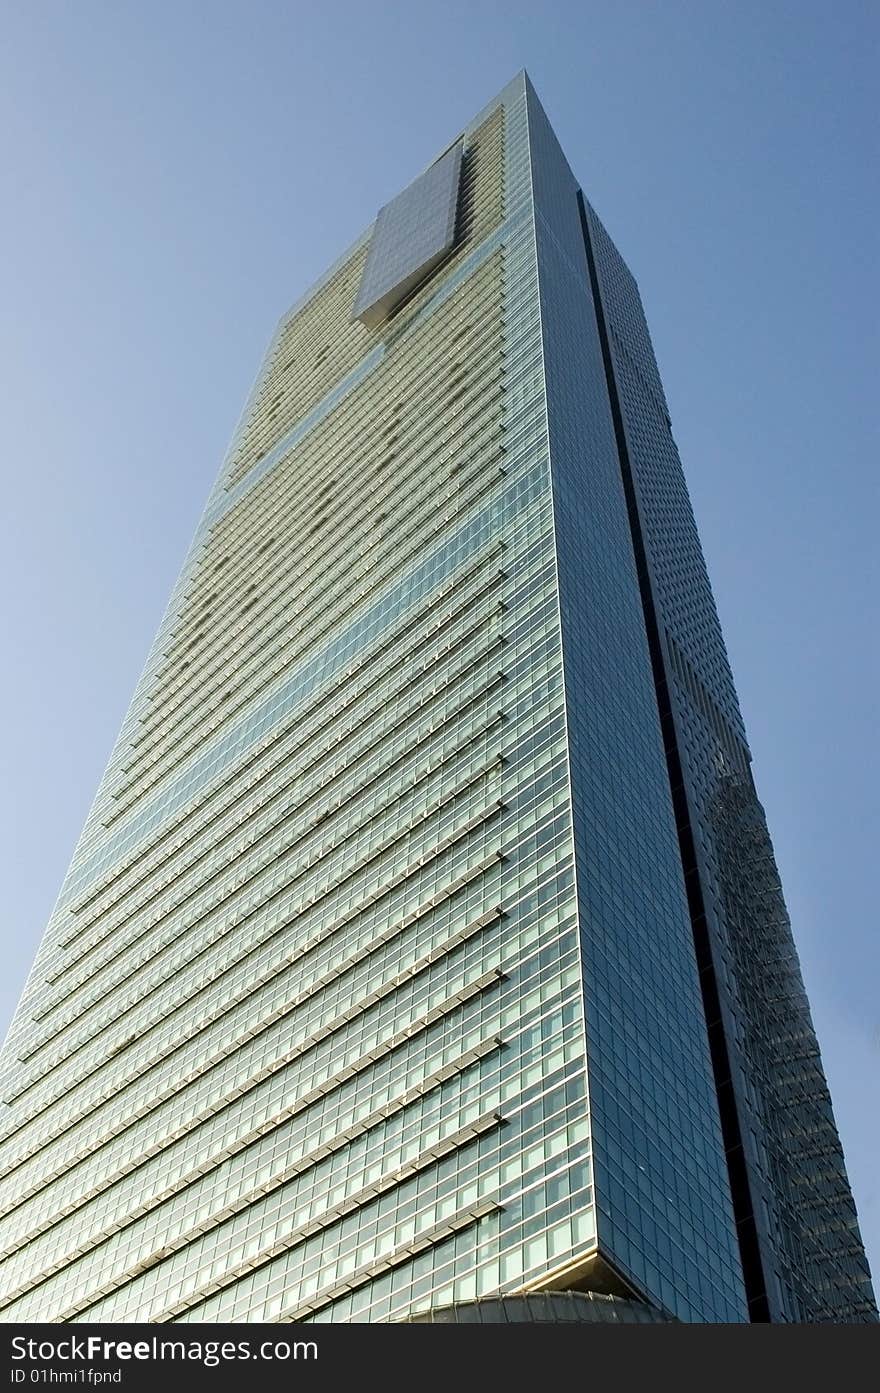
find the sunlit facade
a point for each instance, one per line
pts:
(380, 979)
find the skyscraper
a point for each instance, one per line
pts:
(424, 941)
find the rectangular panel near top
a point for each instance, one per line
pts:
(410, 237)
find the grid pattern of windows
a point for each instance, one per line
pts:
(371, 989)
(304, 1039)
(664, 1211)
(791, 1187)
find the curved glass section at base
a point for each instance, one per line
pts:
(543, 1308)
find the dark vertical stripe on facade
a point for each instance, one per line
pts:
(750, 1255)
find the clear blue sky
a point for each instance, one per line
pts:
(175, 174)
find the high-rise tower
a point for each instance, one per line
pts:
(424, 941)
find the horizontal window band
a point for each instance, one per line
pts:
(179, 1084)
(228, 651)
(327, 1086)
(240, 1144)
(481, 300)
(279, 603)
(456, 1142)
(527, 489)
(203, 1023)
(172, 942)
(279, 606)
(252, 812)
(471, 780)
(239, 716)
(305, 1163)
(364, 1275)
(483, 266)
(477, 821)
(198, 734)
(383, 461)
(465, 269)
(360, 722)
(362, 663)
(462, 504)
(319, 562)
(261, 801)
(364, 660)
(396, 379)
(299, 486)
(300, 1105)
(424, 773)
(289, 816)
(440, 446)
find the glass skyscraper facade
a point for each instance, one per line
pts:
(424, 943)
